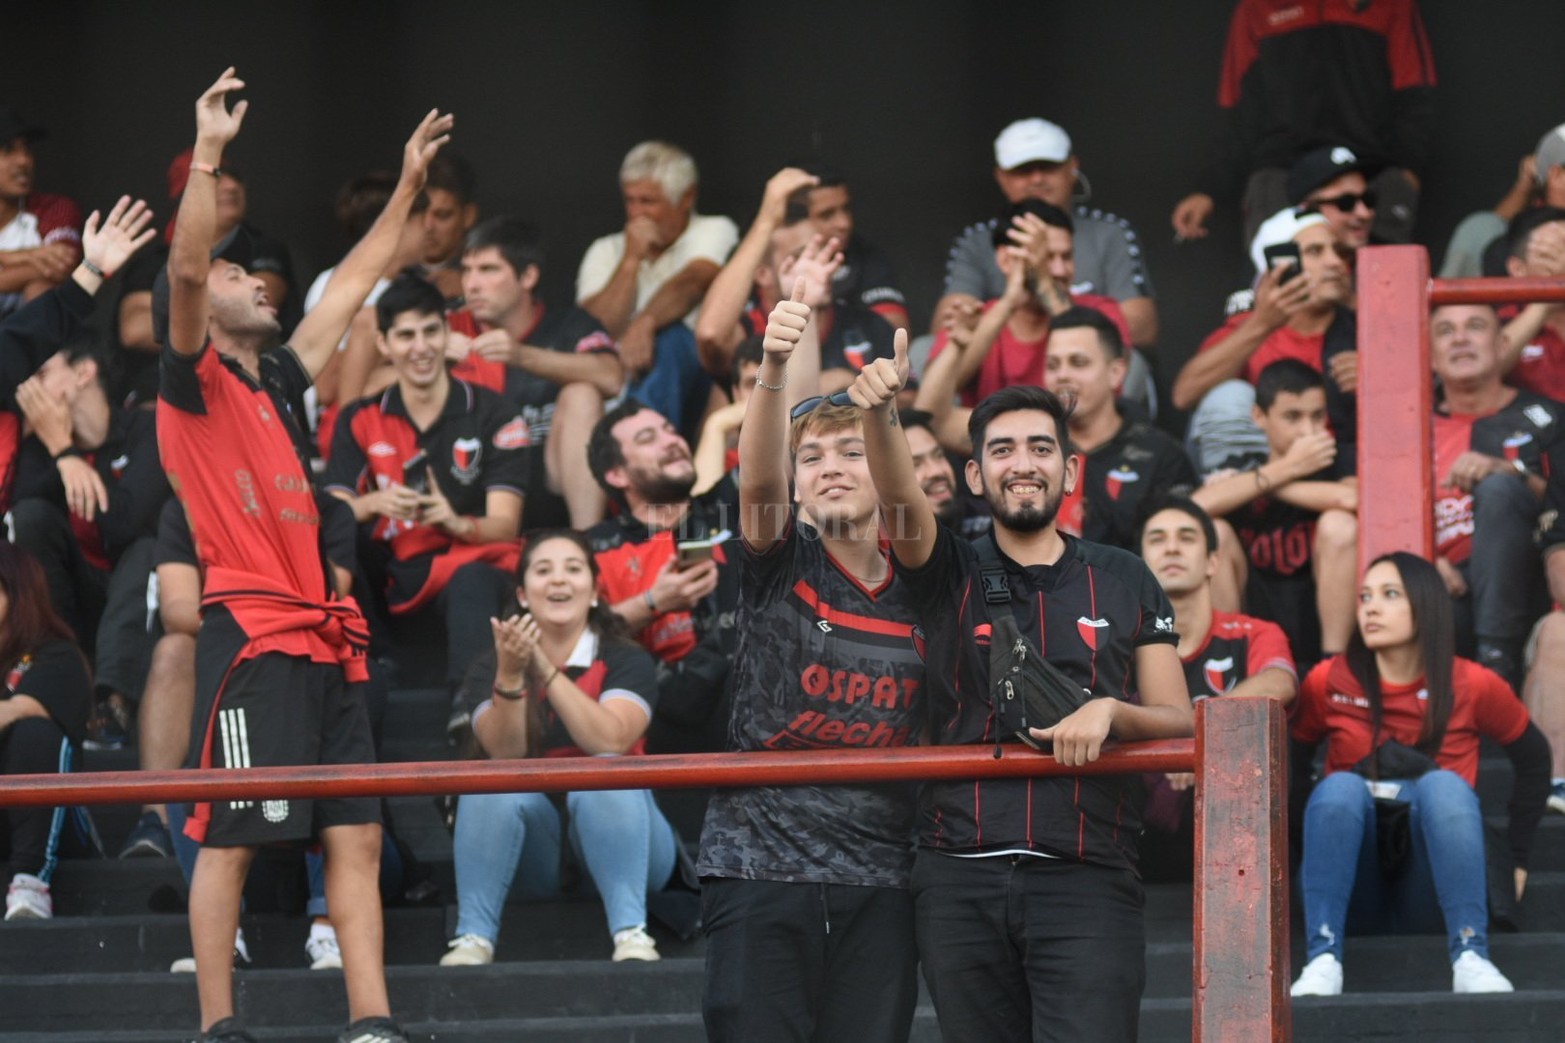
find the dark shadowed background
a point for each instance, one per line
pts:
(905, 98)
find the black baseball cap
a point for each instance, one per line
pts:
(13, 126)
(236, 247)
(1316, 168)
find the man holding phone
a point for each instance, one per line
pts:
(434, 467)
(1302, 311)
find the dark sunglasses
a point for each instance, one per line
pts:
(840, 398)
(1347, 201)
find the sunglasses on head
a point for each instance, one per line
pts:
(839, 398)
(1347, 201)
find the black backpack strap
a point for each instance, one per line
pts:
(991, 573)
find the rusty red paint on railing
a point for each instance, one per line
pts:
(660, 771)
(1494, 291)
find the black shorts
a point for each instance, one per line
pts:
(278, 710)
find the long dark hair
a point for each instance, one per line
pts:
(1434, 629)
(601, 619)
(30, 620)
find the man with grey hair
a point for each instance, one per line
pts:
(645, 284)
(1478, 246)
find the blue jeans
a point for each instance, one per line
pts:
(619, 835)
(1445, 876)
(676, 385)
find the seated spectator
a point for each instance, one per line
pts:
(1544, 691)
(36, 332)
(434, 470)
(1034, 160)
(1540, 179)
(1224, 654)
(1033, 243)
(1302, 312)
(559, 366)
(718, 451)
(1402, 717)
(866, 277)
(89, 488)
(664, 568)
(1295, 515)
(43, 718)
(1491, 441)
(1123, 461)
(449, 214)
(40, 235)
(563, 680)
(645, 284)
(843, 335)
(1534, 356)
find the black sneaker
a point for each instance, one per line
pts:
(110, 725)
(373, 1030)
(150, 839)
(229, 1030)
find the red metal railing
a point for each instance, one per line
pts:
(1240, 961)
(1395, 395)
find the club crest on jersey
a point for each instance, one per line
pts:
(274, 810)
(1117, 479)
(513, 435)
(920, 643)
(857, 354)
(465, 456)
(982, 635)
(1215, 672)
(1089, 629)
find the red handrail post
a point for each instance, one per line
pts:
(1241, 961)
(1395, 403)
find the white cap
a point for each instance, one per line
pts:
(1282, 227)
(1549, 153)
(1031, 141)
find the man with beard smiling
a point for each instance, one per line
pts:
(679, 604)
(1044, 867)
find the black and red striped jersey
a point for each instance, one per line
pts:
(1087, 613)
(1236, 648)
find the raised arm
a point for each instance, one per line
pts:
(763, 436)
(909, 519)
(718, 331)
(319, 332)
(189, 258)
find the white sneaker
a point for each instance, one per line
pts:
(635, 944)
(321, 948)
(1473, 973)
(187, 964)
(468, 951)
(1322, 976)
(28, 899)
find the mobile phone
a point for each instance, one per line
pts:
(694, 552)
(415, 472)
(1285, 255)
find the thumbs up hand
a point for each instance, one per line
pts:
(878, 383)
(786, 325)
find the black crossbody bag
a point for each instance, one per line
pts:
(1025, 689)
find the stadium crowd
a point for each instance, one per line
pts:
(733, 495)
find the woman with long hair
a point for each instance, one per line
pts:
(44, 706)
(564, 681)
(1393, 835)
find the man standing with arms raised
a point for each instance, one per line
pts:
(1027, 904)
(276, 656)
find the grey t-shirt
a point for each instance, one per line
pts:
(1108, 259)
